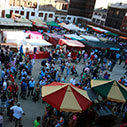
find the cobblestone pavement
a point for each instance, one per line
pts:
(32, 110)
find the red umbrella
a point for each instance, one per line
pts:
(66, 97)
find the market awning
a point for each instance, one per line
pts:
(39, 23)
(73, 27)
(23, 20)
(89, 38)
(62, 24)
(113, 34)
(9, 44)
(71, 43)
(53, 24)
(125, 38)
(100, 30)
(53, 35)
(14, 36)
(90, 26)
(74, 37)
(34, 35)
(36, 42)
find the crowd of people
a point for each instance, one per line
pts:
(17, 80)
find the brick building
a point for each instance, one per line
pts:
(82, 8)
(115, 15)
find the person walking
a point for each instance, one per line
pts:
(17, 114)
(1, 119)
(37, 122)
(31, 87)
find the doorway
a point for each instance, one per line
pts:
(27, 14)
(3, 14)
(45, 18)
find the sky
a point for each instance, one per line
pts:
(104, 3)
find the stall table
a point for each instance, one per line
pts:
(39, 55)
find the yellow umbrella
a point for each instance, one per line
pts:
(66, 97)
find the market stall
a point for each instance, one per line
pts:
(32, 46)
(100, 30)
(73, 27)
(37, 22)
(34, 35)
(53, 38)
(89, 38)
(12, 46)
(71, 43)
(14, 36)
(74, 37)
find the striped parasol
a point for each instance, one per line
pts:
(110, 89)
(66, 97)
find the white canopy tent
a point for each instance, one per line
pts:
(35, 42)
(72, 27)
(30, 44)
(89, 38)
(14, 36)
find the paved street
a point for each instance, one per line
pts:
(33, 110)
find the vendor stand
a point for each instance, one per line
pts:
(31, 45)
(72, 44)
(34, 35)
(53, 38)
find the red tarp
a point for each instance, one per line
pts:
(39, 55)
(125, 38)
(53, 38)
(71, 43)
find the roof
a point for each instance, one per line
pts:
(101, 44)
(53, 35)
(10, 22)
(72, 43)
(119, 5)
(101, 10)
(61, 1)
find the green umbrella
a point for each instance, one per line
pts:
(110, 89)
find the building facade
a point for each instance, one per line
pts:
(124, 24)
(58, 4)
(99, 16)
(82, 8)
(115, 15)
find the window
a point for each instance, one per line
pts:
(99, 14)
(22, 13)
(102, 23)
(69, 18)
(50, 15)
(98, 21)
(63, 17)
(40, 14)
(93, 19)
(104, 16)
(16, 11)
(32, 13)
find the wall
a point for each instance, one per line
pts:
(98, 18)
(31, 10)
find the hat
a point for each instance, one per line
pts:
(18, 103)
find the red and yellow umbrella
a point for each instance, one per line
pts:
(66, 97)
